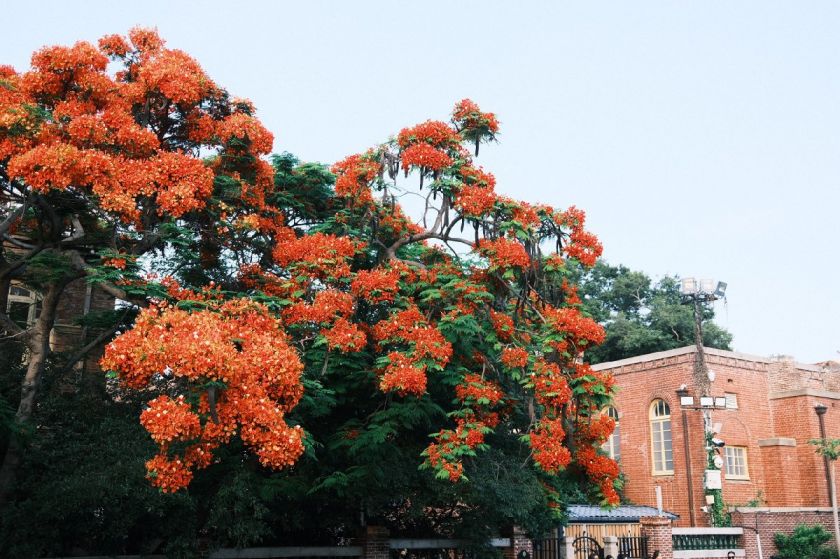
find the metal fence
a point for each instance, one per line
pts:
(633, 547)
(686, 542)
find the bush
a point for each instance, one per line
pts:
(806, 542)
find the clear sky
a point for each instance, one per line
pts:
(700, 137)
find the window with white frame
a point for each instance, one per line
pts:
(660, 433)
(731, 400)
(23, 306)
(613, 444)
(736, 462)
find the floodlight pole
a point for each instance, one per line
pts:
(692, 291)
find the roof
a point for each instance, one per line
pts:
(620, 514)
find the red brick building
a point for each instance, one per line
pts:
(766, 424)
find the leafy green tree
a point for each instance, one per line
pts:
(641, 316)
(806, 542)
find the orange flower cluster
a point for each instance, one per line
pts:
(468, 115)
(425, 157)
(248, 130)
(326, 306)
(378, 285)
(475, 201)
(237, 344)
(432, 132)
(547, 440)
(344, 336)
(504, 253)
(477, 176)
(502, 324)
(354, 175)
(320, 254)
(101, 136)
(169, 420)
(514, 357)
(578, 329)
(551, 389)
(581, 245)
(406, 372)
(479, 396)
(403, 375)
(602, 470)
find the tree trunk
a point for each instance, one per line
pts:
(39, 348)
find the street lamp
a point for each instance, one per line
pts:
(821, 409)
(698, 292)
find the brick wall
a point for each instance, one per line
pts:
(775, 401)
(768, 521)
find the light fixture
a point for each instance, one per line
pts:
(707, 285)
(688, 286)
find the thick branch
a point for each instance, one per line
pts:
(108, 287)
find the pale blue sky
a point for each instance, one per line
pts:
(701, 138)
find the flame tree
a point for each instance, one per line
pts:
(412, 370)
(466, 312)
(100, 166)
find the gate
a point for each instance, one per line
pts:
(548, 548)
(587, 548)
(633, 547)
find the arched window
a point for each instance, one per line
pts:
(660, 432)
(613, 444)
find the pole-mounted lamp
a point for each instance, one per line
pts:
(821, 409)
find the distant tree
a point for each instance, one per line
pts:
(641, 316)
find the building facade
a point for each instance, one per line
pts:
(766, 424)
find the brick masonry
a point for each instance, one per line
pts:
(657, 529)
(774, 420)
(769, 521)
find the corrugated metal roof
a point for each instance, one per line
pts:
(623, 513)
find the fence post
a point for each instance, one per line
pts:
(657, 529)
(519, 542)
(569, 547)
(611, 546)
(376, 544)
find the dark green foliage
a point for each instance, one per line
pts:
(806, 542)
(641, 316)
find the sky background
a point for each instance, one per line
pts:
(701, 138)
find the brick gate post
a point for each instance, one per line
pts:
(657, 529)
(375, 544)
(519, 542)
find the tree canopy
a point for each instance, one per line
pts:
(301, 348)
(641, 316)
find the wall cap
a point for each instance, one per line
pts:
(655, 520)
(708, 553)
(702, 531)
(679, 351)
(779, 509)
(777, 441)
(805, 392)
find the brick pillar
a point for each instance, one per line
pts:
(657, 529)
(519, 542)
(375, 543)
(611, 546)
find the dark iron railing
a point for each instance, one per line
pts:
(633, 547)
(548, 548)
(685, 542)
